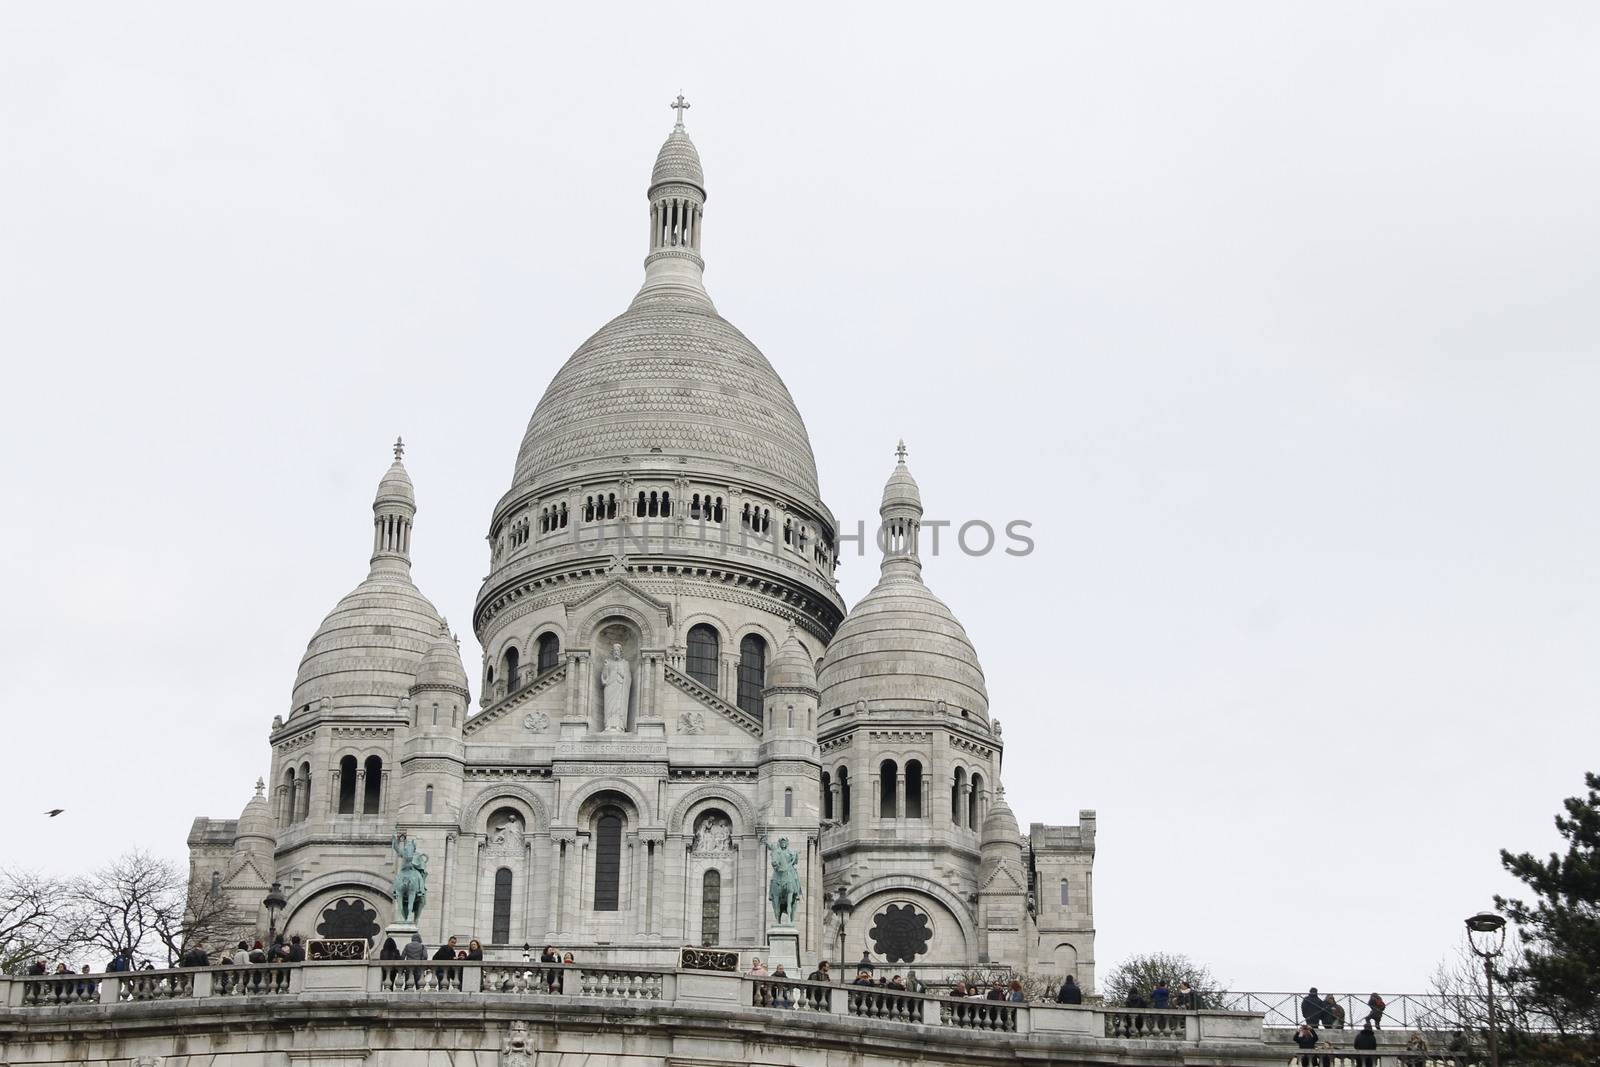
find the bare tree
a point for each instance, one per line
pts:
(1140, 973)
(39, 919)
(142, 905)
(1461, 1007)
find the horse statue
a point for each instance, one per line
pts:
(783, 891)
(410, 881)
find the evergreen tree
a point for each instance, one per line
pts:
(1559, 975)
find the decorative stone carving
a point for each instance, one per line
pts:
(691, 722)
(900, 933)
(706, 959)
(516, 1048)
(616, 680)
(507, 832)
(349, 919)
(536, 721)
(713, 834)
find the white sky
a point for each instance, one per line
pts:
(1278, 323)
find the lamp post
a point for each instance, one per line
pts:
(1486, 933)
(275, 903)
(841, 907)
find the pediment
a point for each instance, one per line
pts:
(1003, 880)
(622, 597)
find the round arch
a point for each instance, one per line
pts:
(913, 884)
(580, 797)
(711, 794)
(335, 883)
(475, 817)
(589, 623)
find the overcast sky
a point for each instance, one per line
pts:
(1279, 324)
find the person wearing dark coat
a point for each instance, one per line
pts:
(194, 956)
(415, 949)
(297, 949)
(119, 962)
(37, 967)
(1160, 996)
(1069, 993)
(390, 950)
(1313, 1009)
(1367, 1041)
(1306, 1038)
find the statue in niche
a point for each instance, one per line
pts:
(507, 833)
(714, 834)
(615, 679)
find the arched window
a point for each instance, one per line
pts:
(509, 663)
(844, 794)
(638, 508)
(955, 795)
(347, 786)
(607, 859)
(611, 505)
(887, 773)
(501, 932)
(752, 673)
(913, 789)
(216, 883)
(827, 795)
(549, 652)
(374, 793)
(711, 908)
(701, 661)
(287, 815)
(427, 801)
(305, 790)
(972, 802)
(666, 504)
(788, 803)
(1063, 892)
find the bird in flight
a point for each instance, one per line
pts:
(53, 812)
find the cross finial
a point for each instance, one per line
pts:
(680, 105)
(261, 787)
(399, 449)
(900, 451)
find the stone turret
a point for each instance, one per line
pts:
(1004, 922)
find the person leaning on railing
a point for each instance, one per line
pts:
(1070, 993)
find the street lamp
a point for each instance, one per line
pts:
(1486, 934)
(841, 907)
(275, 903)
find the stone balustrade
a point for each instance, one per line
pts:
(481, 999)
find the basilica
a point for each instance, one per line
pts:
(672, 696)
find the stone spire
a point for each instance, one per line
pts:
(901, 511)
(677, 198)
(393, 510)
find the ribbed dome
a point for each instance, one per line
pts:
(368, 650)
(256, 818)
(669, 374)
(792, 668)
(999, 825)
(900, 646)
(396, 488)
(441, 666)
(678, 161)
(901, 489)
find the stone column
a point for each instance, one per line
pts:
(572, 684)
(585, 684)
(553, 888)
(383, 790)
(303, 795)
(333, 791)
(900, 794)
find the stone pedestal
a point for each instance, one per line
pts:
(783, 946)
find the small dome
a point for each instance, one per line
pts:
(678, 161)
(395, 487)
(441, 667)
(900, 645)
(999, 825)
(368, 650)
(901, 489)
(256, 818)
(792, 668)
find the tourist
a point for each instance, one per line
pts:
(567, 959)
(1311, 1007)
(1375, 1009)
(445, 976)
(897, 983)
(552, 977)
(757, 968)
(863, 977)
(1188, 999)
(1367, 1041)
(258, 953)
(195, 956)
(778, 972)
(38, 967)
(913, 983)
(241, 955)
(474, 950)
(123, 961)
(1332, 1013)
(1160, 996)
(297, 949)
(415, 949)
(1136, 1000)
(390, 950)
(997, 991)
(1417, 1049)
(278, 951)
(1306, 1038)
(821, 973)
(1069, 993)
(1015, 994)
(446, 951)
(959, 989)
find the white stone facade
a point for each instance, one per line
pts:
(664, 505)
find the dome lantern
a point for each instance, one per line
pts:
(677, 198)
(394, 508)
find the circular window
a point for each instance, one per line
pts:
(350, 918)
(900, 933)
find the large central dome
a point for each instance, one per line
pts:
(670, 375)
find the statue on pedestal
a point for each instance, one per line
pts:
(410, 881)
(614, 682)
(783, 890)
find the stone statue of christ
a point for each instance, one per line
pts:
(614, 679)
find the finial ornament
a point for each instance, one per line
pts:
(680, 105)
(900, 451)
(399, 449)
(261, 787)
